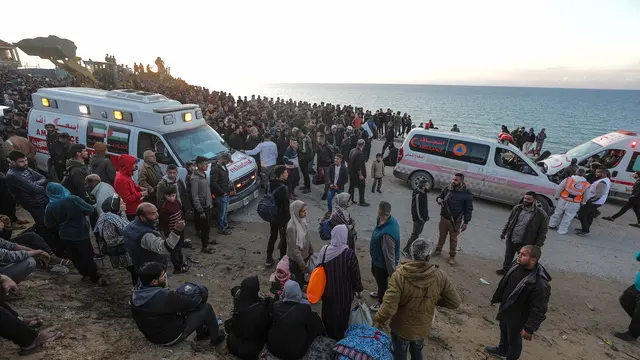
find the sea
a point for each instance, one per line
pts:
(570, 116)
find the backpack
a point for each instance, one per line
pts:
(325, 230)
(267, 207)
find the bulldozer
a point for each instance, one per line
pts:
(62, 53)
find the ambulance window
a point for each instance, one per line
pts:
(509, 160)
(118, 140)
(468, 151)
(96, 132)
(611, 158)
(634, 164)
(146, 142)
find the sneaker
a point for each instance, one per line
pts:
(373, 294)
(188, 245)
(553, 227)
(437, 252)
(373, 191)
(269, 262)
(625, 336)
(608, 218)
(501, 272)
(230, 227)
(192, 260)
(207, 250)
(493, 350)
(324, 197)
(452, 262)
(635, 225)
(364, 204)
(379, 191)
(182, 270)
(224, 232)
(375, 307)
(98, 256)
(406, 253)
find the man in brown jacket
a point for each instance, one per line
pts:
(150, 175)
(415, 289)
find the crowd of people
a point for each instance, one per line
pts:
(140, 226)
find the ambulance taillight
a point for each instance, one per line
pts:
(633, 144)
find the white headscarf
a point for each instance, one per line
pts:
(339, 237)
(298, 224)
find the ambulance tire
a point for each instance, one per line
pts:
(418, 176)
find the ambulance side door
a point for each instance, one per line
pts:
(509, 176)
(150, 140)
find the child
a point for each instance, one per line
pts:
(170, 214)
(377, 171)
(279, 277)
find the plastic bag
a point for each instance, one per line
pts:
(360, 315)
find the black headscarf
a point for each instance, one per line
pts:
(246, 294)
(111, 204)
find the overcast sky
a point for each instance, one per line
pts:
(574, 43)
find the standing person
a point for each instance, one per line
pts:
(336, 177)
(170, 214)
(299, 247)
(253, 140)
(456, 202)
(571, 169)
(343, 282)
(66, 214)
(385, 250)
(150, 175)
(325, 157)
(598, 194)
(28, 186)
(291, 162)
(542, 136)
(530, 138)
(523, 295)
(389, 136)
(101, 165)
(221, 188)
(306, 158)
(172, 179)
(77, 171)
(340, 216)
(377, 172)
(527, 225)
(129, 192)
(632, 203)
(631, 305)
(591, 173)
(455, 128)
(22, 144)
(278, 187)
(357, 172)
(201, 200)
(570, 193)
(415, 289)
(268, 151)
(236, 141)
(419, 214)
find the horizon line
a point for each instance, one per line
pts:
(460, 85)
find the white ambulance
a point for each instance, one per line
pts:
(131, 122)
(618, 151)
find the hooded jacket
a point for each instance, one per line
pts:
(124, 185)
(66, 214)
(415, 289)
(102, 166)
(526, 306)
(294, 328)
(74, 178)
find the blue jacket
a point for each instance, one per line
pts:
(391, 228)
(637, 282)
(459, 203)
(132, 236)
(67, 213)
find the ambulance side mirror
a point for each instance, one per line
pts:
(614, 173)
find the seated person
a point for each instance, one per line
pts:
(280, 277)
(251, 318)
(18, 329)
(166, 317)
(17, 261)
(294, 326)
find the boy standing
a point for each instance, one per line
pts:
(171, 214)
(377, 171)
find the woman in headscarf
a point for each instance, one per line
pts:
(110, 227)
(250, 322)
(341, 215)
(67, 214)
(343, 282)
(299, 248)
(294, 326)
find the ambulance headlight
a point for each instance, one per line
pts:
(84, 109)
(168, 119)
(187, 116)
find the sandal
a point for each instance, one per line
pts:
(44, 336)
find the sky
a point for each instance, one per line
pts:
(564, 43)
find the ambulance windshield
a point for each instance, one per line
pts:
(203, 140)
(580, 151)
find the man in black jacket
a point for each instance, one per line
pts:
(456, 201)
(59, 153)
(325, 158)
(523, 295)
(166, 317)
(336, 178)
(221, 188)
(278, 187)
(389, 136)
(632, 203)
(419, 214)
(527, 225)
(77, 171)
(28, 187)
(357, 172)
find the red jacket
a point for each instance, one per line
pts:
(129, 192)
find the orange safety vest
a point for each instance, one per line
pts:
(574, 190)
(505, 137)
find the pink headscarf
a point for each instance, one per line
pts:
(282, 273)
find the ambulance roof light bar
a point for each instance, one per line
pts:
(138, 96)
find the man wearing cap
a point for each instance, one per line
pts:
(77, 171)
(201, 199)
(59, 152)
(101, 165)
(221, 188)
(415, 289)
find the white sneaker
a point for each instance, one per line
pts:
(373, 294)
(375, 307)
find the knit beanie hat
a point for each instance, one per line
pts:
(100, 147)
(421, 249)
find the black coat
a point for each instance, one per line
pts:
(537, 229)
(459, 203)
(357, 163)
(281, 197)
(74, 179)
(293, 330)
(249, 330)
(343, 176)
(219, 180)
(419, 206)
(325, 155)
(526, 306)
(236, 141)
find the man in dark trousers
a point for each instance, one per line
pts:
(419, 214)
(523, 295)
(632, 203)
(278, 188)
(527, 225)
(456, 201)
(325, 159)
(357, 172)
(630, 301)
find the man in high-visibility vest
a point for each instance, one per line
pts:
(571, 192)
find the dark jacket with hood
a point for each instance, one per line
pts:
(459, 203)
(219, 180)
(419, 206)
(236, 141)
(124, 185)
(325, 154)
(160, 313)
(524, 307)
(537, 228)
(28, 187)
(74, 178)
(102, 166)
(251, 319)
(66, 214)
(281, 197)
(294, 328)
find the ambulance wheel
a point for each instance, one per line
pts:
(418, 176)
(545, 204)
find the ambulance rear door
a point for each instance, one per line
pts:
(72, 125)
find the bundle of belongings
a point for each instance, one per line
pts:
(364, 342)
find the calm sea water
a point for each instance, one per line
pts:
(571, 116)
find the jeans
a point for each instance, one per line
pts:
(510, 251)
(353, 184)
(19, 271)
(204, 322)
(378, 181)
(510, 341)
(630, 301)
(418, 226)
(223, 210)
(401, 347)
(382, 280)
(330, 195)
(204, 225)
(14, 329)
(81, 254)
(282, 245)
(586, 215)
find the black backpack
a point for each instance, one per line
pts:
(267, 207)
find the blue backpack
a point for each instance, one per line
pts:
(325, 230)
(267, 207)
